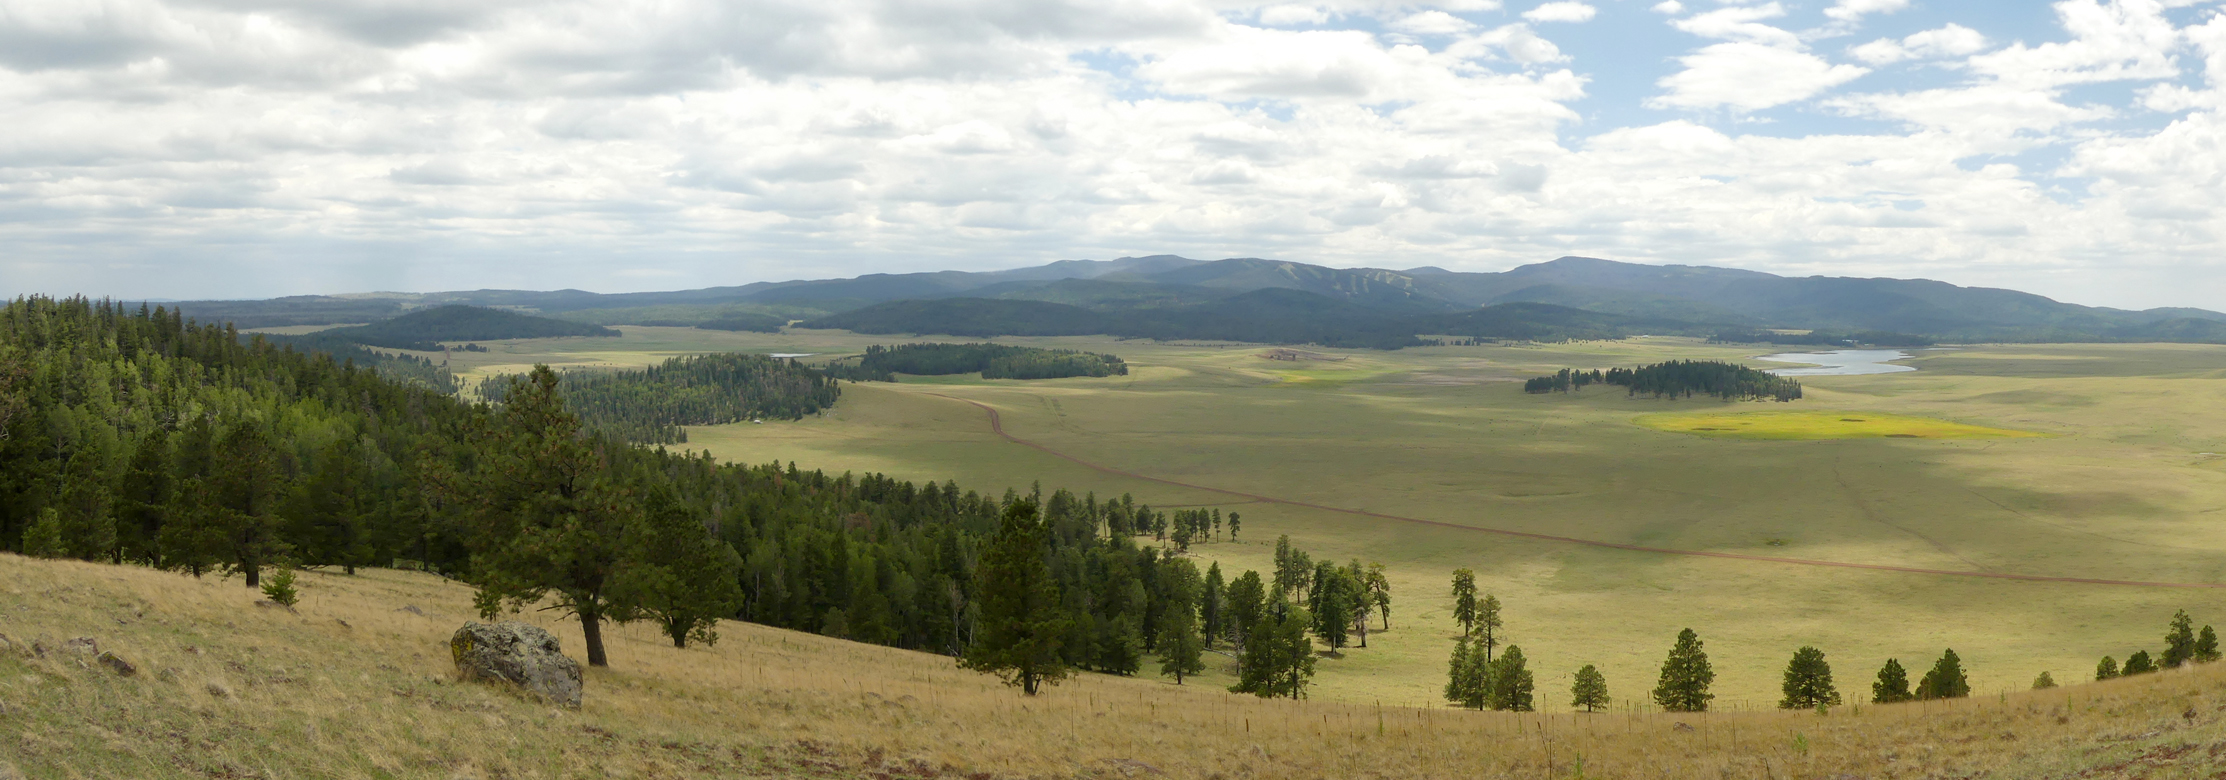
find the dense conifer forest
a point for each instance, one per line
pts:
(650, 405)
(1677, 379)
(994, 361)
(426, 328)
(135, 437)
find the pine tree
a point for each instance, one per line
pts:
(1334, 599)
(1590, 690)
(1464, 600)
(1180, 647)
(88, 527)
(2179, 641)
(2107, 670)
(1489, 623)
(2206, 646)
(1248, 598)
(43, 539)
(1892, 684)
(2043, 681)
(675, 573)
(1686, 676)
(1945, 680)
(1233, 526)
(1021, 623)
(280, 589)
(1212, 605)
(142, 499)
(1278, 659)
(2138, 663)
(1511, 685)
(245, 488)
(1462, 683)
(1379, 592)
(545, 518)
(1808, 681)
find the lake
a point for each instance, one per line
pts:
(1840, 362)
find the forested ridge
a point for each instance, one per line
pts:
(648, 406)
(994, 361)
(424, 329)
(138, 438)
(1677, 379)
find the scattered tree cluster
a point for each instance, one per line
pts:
(649, 406)
(2183, 645)
(994, 361)
(1677, 379)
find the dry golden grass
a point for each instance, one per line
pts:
(1820, 426)
(350, 687)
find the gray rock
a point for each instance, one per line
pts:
(117, 664)
(519, 654)
(412, 609)
(83, 645)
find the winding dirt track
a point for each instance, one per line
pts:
(997, 426)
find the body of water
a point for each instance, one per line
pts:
(1840, 362)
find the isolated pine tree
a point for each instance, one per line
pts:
(1945, 680)
(1021, 625)
(1808, 681)
(1590, 690)
(2179, 641)
(1685, 676)
(2206, 646)
(2106, 670)
(2043, 681)
(2138, 663)
(1892, 684)
(1489, 623)
(1464, 600)
(1511, 683)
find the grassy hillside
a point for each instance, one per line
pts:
(355, 685)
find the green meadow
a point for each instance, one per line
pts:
(2081, 461)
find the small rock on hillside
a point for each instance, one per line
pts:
(519, 654)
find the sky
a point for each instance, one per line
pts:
(254, 148)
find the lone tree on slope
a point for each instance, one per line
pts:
(1021, 625)
(1808, 681)
(1685, 676)
(2179, 641)
(1946, 680)
(1464, 600)
(1892, 685)
(1590, 691)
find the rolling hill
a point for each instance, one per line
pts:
(426, 328)
(1652, 298)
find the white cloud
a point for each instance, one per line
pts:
(1953, 40)
(1740, 23)
(1292, 16)
(1744, 76)
(1855, 10)
(1561, 11)
(1669, 7)
(1432, 23)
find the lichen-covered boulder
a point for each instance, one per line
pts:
(519, 654)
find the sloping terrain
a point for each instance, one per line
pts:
(424, 329)
(357, 682)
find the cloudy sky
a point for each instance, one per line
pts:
(249, 148)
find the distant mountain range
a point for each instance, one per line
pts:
(1141, 296)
